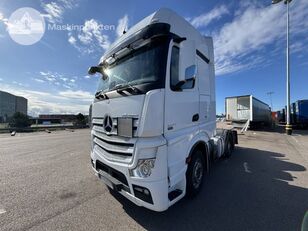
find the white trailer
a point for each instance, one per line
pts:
(153, 119)
(247, 107)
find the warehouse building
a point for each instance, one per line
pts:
(62, 118)
(9, 104)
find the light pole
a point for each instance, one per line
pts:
(288, 125)
(270, 95)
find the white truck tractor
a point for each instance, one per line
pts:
(153, 131)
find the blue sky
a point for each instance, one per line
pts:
(249, 40)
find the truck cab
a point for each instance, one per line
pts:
(154, 115)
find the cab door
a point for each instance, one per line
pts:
(181, 107)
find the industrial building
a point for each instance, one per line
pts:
(54, 119)
(9, 104)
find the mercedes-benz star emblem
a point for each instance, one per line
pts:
(108, 123)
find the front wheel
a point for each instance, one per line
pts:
(195, 174)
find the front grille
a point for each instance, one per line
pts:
(112, 172)
(98, 124)
(109, 145)
(112, 147)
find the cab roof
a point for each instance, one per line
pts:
(178, 26)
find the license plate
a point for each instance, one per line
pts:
(105, 180)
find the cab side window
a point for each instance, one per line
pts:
(174, 67)
(174, 72)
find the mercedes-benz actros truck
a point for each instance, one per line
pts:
(153, 119)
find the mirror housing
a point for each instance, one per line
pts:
(97, 69)
(94, 69)
(187, 60)
(190, 73)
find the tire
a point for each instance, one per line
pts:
(195, 174)
(229, 147)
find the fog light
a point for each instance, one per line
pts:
(142, 193)
(144, 168)
(146, 192)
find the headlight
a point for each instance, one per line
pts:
(144, 168)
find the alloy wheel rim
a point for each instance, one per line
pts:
(197, 173)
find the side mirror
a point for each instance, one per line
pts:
(190, 73)
(187, 60)
(97, 69)
(94, 69)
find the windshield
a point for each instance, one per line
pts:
(144, 65)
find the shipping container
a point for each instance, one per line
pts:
(247, 107)
(274, 116)
(293, 113)
(283, 115)
(301, 112)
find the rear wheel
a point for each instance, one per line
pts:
(229, 146)
(195, 174)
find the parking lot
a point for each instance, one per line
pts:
(46, 183)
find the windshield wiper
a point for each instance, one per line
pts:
(100, 94)
(122, 87)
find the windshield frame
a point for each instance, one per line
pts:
(142, 88)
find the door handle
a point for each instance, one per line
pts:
(195, 117)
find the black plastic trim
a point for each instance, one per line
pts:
(202, 56)
(156, 29)
(112, 172)
(142, 196)
(174, 194)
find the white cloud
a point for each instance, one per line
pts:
(206, 18)
(64, 79)
(56, 79)
(39, 80)
(87, 77)
(20, 84)
(72, 40)
(44, 73)
(122, 25)
(3, 18)
(90, 39)
(82, 95)
(55, 10)
(69, 4)
(252, 29)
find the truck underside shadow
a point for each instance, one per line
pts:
(249, 191)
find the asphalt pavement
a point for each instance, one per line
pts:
(46, 183)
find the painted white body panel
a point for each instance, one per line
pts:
(165, 130)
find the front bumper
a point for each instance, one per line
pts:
(150, 192)
(159, 198)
